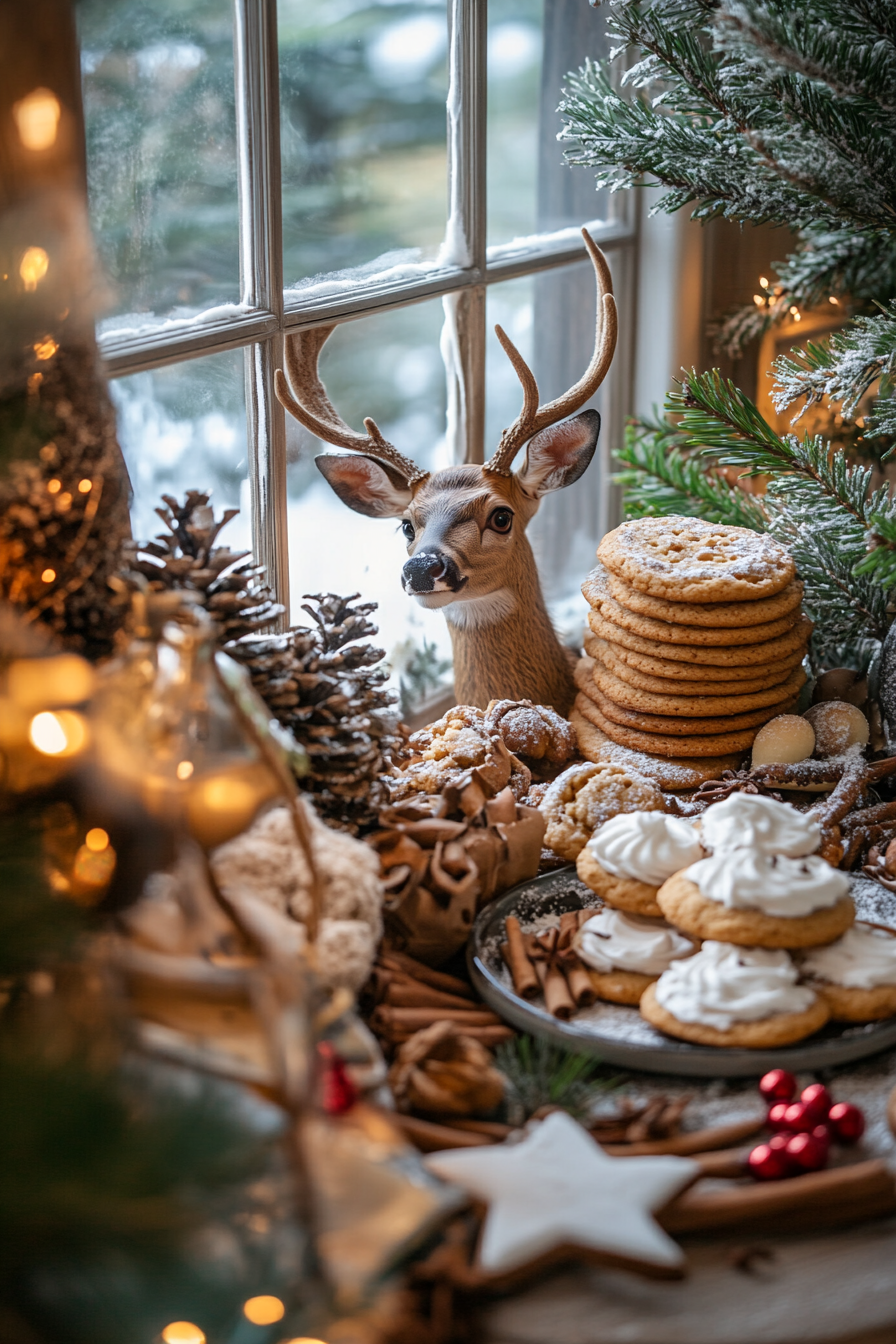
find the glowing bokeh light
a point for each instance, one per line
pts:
(183, 1332)
(85, 486)
(37, 119)
(264, 1310)
(61, 734)
(46, 348)
(33, 267)
(54, 486)
(96, 839)
(48, 575)
(184, 769)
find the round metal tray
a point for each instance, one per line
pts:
(619, 1034)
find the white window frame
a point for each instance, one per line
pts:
(268, 314)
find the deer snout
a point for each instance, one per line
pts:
(431, 572)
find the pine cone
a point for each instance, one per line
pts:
(328, 690)
(228, 584)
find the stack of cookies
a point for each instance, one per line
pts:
(695, 639)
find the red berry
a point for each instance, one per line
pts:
(776, 1115)
(823, 1135)
(778, 1085)
(338, 1092)
(767, 1164)
(818, 1100)
(847, 1122)
(807, 1152)
(798, 1118)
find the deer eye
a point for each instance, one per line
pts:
(501, 520)
(407, 528)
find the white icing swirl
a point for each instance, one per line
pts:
(647, 846)
(614, 941)
(749, 821)
(724, 984)
(747, 879)
(863, 958)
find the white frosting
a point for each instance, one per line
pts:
(747, 879)
(614, 941)
(648, 846)
(863, 958)
(749, 821)
(724, 984)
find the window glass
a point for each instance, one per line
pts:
(550, 317)
(388, 367)
(363, 134)
(161, 154)
(182, 428)
(531, 46)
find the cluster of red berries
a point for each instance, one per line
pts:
(803, 1130)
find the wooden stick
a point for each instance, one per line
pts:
(450, 984)
(525, 981)
(694, 1141)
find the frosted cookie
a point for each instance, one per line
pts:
(681, 724)
(677, 632)
(699, 673)
(588, 794)
(626, 953)
(673, 775)
(750, 821)
(856, 975)
(740, 655)
(703, 613)
(753, 899)
(647, 702)
(628, 859)
(659, 744)
(734, 996)
(621, 664)
(689, 560)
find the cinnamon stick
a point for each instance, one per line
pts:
(492, 1129)
(694, 1141)
(557, 998)
(450, 984)
(401, 993)
(431, 1138)
(487, 1036)
(525, 981)
(577, 977)
(417, 1018)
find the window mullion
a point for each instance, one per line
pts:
(261, 275)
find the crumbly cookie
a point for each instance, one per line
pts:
(782, 1029)
(713, 614)
(678, 632)
(624, 893)
(445, 750)
(588, 794)
(536, 733)
(689, 560)
(675, 725)
(665, 677)
(673, 775)
(847, 1004)
(660, 744)
(684, 905)
(620, 986)
(739, 655)
(705, 706)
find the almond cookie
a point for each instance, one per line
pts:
(678, 632)
(684, 905)
(768, 1032)
(856, 975)
(661, 675)
(660, 744)
(588, 794)
(672, 775)
(623, 893)
(713, 614)
(739, 655)
(689, 560)
(706, 706)
(673, 725)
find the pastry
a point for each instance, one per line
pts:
(537, 734)
(734, 996)
(689, 560)
(660, 744)
(856, 975)
(629, 858)
(625, 953)
(672, 774)
(444, 751)
(679, 723)
(669, 704)
(713, 614)
(588, 794)
(738, 655)
(680, 672)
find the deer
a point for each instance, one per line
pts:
(465, 526)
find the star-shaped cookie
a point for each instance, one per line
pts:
(557, 1189)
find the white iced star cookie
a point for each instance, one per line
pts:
(557, 1190)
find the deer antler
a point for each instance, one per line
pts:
(305, 397)
(533, 417)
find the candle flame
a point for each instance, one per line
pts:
(33, 267)
(37, 119)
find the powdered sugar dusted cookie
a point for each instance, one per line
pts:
(649, 702)
(659, 744)
(585, 796)
(689, 560)
(715, 614)
(702, 676)
(673, 775)
(737, 655)
(679, 724)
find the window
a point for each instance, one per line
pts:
(388, 166)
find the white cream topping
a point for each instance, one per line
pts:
(863, 958)
(747, 879)
(724, 984)
(612, 940)
(749, 821)
(647, 846)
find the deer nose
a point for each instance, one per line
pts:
(421, 573)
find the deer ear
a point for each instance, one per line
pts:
(365, 485)
(559, 454)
